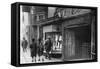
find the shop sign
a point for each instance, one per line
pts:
(69, 12)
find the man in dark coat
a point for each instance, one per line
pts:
(24, 44)
(48, 46)
(33, 49)
(40, 49)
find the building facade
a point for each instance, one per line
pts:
(30, 15)
(73, 33)
(72, 30)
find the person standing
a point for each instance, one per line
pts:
(33, 49)
(24, 44)
(48, 47)
(40, 49)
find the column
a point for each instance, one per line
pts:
(38, 32)
(92, 37)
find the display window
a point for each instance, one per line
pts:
(56, 38)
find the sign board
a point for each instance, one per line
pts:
(69, 12)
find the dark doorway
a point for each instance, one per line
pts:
(77, 42)
(83, 42)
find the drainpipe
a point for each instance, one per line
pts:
(38, 32)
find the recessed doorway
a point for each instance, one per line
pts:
(77, 43)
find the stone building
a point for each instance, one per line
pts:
(73, 33)
(72, 30)
(30, 15)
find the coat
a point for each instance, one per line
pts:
(33, 48)
(24, 44)
(48, 45)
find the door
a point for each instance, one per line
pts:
(69, 44)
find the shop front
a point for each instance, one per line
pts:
(73, 38)
(77, 35)
(55, 33)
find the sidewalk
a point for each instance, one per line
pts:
(26, 58)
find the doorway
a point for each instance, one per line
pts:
(77, 43)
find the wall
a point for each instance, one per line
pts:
(51, 11)
(84, 19)
(69, 35)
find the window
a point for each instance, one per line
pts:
(40, 17)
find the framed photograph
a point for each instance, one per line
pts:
(44, 34)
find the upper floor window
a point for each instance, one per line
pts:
(40, 17)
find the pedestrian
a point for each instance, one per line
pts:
(40, 49)
(48, 47)
(33, 49)
(24, 44)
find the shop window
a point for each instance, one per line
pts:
(56, 38)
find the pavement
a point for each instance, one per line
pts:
(26, 58)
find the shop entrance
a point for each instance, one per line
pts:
(77, 43)
(56, 38)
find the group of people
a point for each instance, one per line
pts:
(39, 48)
